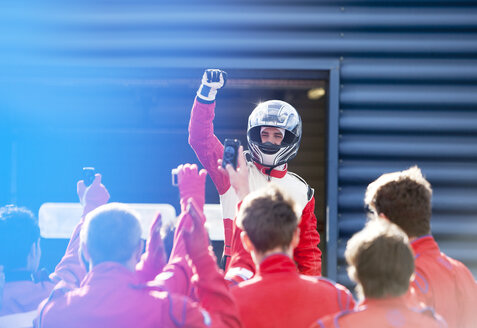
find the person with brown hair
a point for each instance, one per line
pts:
(441, 282)
(278, 295)
(381, 263)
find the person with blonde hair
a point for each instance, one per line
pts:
(441, 282)
(381, 262)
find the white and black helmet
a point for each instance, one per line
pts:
(277, 114)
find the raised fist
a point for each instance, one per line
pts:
(212, 80)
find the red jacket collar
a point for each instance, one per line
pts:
(274, 173)
(387, 301)
(106, 270)
(275, 263)
(424, 244)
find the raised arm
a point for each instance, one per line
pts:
(307, 255)
(241, 266)
(201, 128)
(212, 290)
(216, 306)
(191, 185)
(154, 258)
(154, 270)
(70, 270)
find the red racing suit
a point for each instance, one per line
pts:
(209, 149)
(444, 284)
(382, 313)
(174, 276)
(278, 296)
(112, 296)
(23, 295)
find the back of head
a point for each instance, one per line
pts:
(111, 233)
(380, 260)
(404, 198)
(18, 232)
(269, 218)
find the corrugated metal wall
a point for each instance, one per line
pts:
(408, 75)
(409, 96)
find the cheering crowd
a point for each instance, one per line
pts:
(272, 278)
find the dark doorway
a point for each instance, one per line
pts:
(133, 128)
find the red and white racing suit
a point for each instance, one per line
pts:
(209, 149)
(112, 296)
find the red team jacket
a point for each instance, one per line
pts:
(278, 296)
(209, 149)
(112, 296)
(24, 295)
(382, 313)
(444, 284)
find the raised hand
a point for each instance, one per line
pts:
(191, 185)
(191, 188)
(212, 80)
(93, 196)
(154, 258)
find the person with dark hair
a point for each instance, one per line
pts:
(441, 282)
(273, 135)
(25, 286)
(20, 254)
(278, 295)
(381, 262)
(113, 294)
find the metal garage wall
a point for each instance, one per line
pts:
(409, 96)
(408, 78)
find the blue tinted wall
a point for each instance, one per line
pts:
(408, 93)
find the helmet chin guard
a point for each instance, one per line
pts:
(277, 114)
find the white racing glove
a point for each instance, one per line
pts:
(212, 80)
